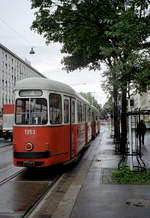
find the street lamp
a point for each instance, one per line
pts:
(32, 51)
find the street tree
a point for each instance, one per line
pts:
(91, 99)
(93, 31)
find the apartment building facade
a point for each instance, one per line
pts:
(12, 69)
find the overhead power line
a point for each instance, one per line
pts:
(16, 32)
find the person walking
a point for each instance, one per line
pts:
(141, 130)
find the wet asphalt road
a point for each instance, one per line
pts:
(18, 193)
(6, 158)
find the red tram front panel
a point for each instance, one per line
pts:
(42, 146)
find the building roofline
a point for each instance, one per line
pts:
(21, 60)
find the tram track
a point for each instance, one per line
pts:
(9, 178)
(26, 188)
(28, 213)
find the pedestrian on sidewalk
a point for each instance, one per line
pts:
(140, 131)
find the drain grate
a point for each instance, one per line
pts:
(138, 202)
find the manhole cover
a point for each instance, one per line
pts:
(138, 202)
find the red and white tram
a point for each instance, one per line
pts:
(52, 123)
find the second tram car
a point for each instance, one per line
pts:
(52, 123)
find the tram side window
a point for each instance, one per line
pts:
(79, 109)
(66, 111)
(97, 117)
(89, 114)
(93, 116)
(38, 111)
(84, 112)
(73, 111)
(55, 108)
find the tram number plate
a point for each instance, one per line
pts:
(28, 164)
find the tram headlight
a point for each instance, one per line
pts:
(29, 146)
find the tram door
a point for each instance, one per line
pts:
(73, 130)
(69, 130)
(67, 124)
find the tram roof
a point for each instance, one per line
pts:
(82, 98)
(44, 84)
(47, 84)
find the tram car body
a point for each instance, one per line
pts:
(52, 123)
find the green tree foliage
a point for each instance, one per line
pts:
(107, 108)
(92, 31)
(79, 25)
(115, 32)
(91, 99)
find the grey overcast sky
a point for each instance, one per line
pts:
(16, 18)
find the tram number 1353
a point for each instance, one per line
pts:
(29, 131)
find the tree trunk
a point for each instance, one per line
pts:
(116, 119)
(123, 121)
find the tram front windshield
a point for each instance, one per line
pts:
(31, 111)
